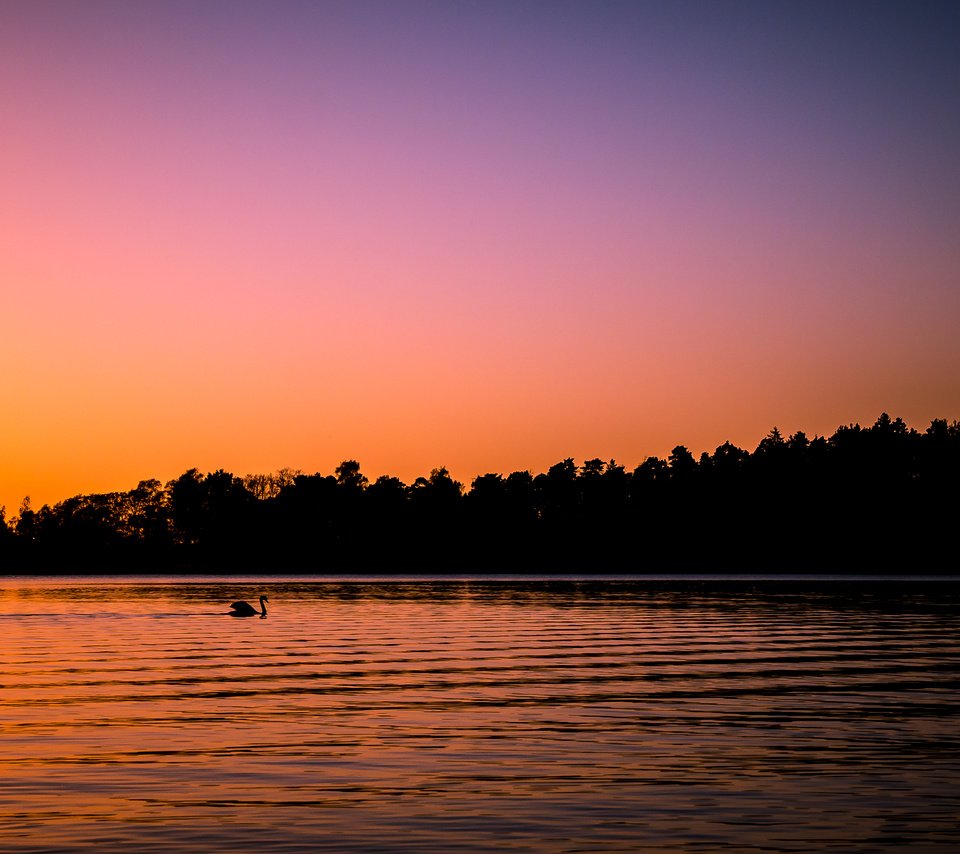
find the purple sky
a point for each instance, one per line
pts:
(475, 234)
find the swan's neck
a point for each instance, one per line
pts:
(263, 608)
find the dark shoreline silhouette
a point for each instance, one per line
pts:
(879, 499)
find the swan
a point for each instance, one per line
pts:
(245, 609)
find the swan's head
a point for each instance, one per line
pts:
(264, 598)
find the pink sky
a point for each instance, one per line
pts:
(486, 236)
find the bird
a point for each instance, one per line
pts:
(245, 609)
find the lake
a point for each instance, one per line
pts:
(471, 714)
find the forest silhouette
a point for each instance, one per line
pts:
(877, 499)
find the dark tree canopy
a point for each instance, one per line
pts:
(876, 499)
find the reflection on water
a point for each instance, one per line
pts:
(479, 715)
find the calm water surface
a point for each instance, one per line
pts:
(474, 715)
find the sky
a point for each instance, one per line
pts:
(481, 235)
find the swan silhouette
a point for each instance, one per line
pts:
(245, 609)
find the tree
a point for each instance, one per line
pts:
(772, 443)
(26, 520)
(651, 470)
(6, 532)
(728, 459)
(681, 462)
(349, 476)
(263, 487)
(187, 506)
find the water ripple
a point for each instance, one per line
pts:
(526, 716)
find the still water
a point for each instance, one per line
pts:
(477, 715)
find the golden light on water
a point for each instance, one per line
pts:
(375, 714)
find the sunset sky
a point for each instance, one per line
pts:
(485, 235)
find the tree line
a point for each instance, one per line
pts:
(882, 498)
